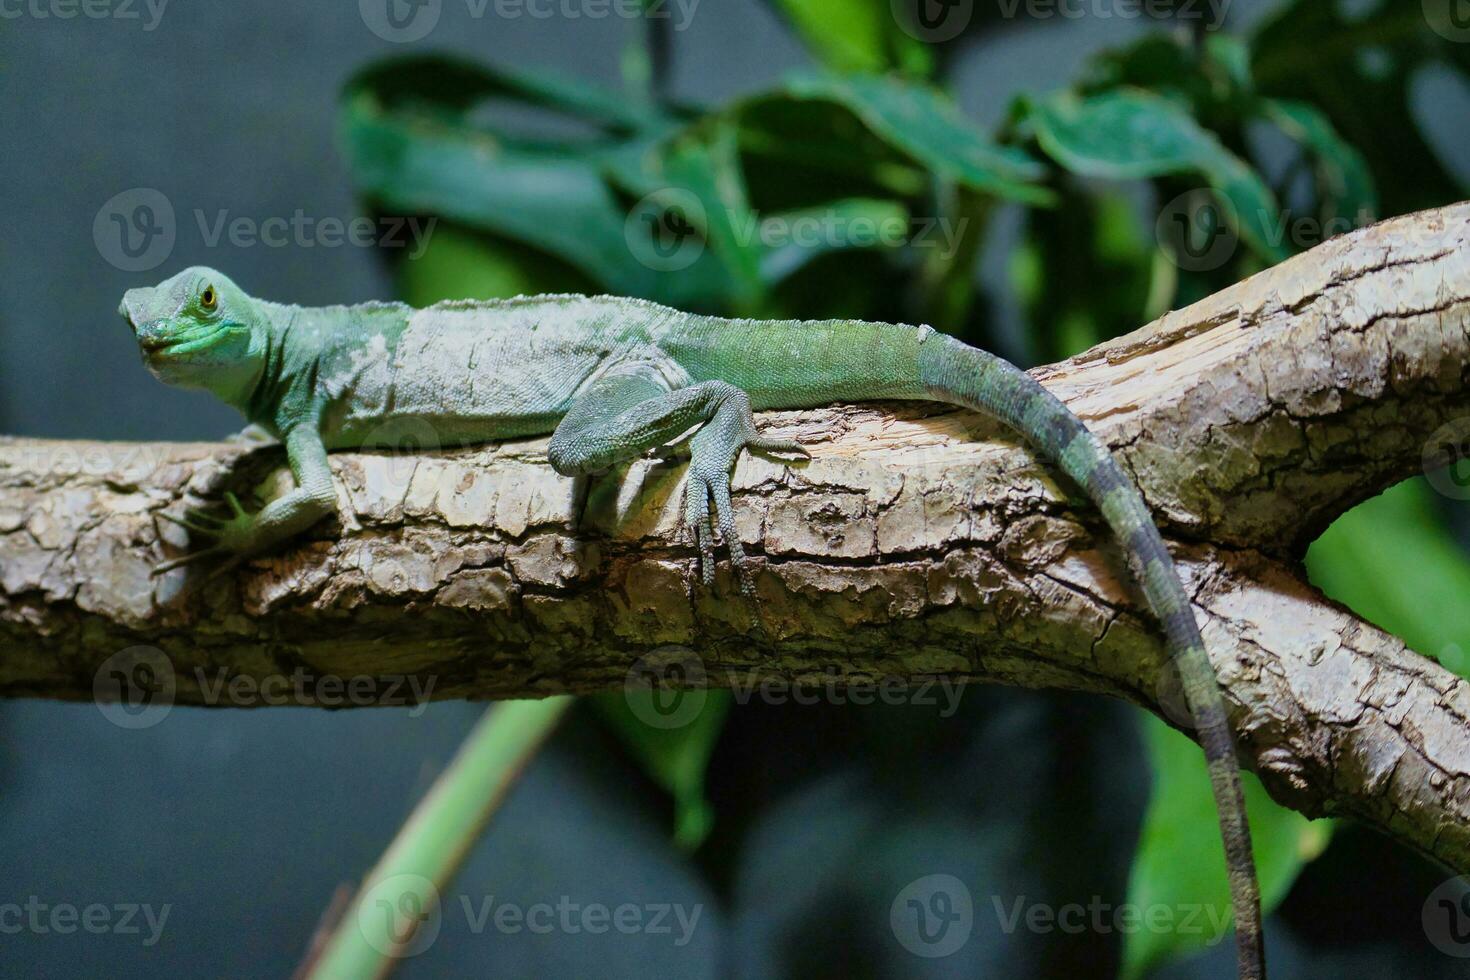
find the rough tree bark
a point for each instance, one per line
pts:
(918, 541)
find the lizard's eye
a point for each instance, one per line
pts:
(208, 299)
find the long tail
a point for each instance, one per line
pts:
(953, 372)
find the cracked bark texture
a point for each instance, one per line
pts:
(919, 540)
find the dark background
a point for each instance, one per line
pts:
(245, 823)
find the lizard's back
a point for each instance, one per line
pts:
(466, 372)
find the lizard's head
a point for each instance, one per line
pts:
(198, 330)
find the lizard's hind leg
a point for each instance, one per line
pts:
(621, 417)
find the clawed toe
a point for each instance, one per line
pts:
(195, 520)
(783, 447)
(709, 507)
(189, 559)
(221, 528)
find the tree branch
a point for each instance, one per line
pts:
(920, 540)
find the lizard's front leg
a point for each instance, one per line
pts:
(242, 534)
(620, 418)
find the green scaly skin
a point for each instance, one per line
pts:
(613, 379)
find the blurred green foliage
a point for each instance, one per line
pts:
(1167, 170)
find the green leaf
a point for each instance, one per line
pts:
(1232, 57)
(416, 143)
(1343, 180)
(1179, 868)
(1162, 63)
(855, 35)
(675, 758)
(459, 263)
(1393, 562)
(1083, 272)
(926, 126)
(453, 86)
(709, 168)
(798, 153)
(1130, 134)
(785, 249)
(1359, 70)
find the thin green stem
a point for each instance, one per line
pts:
(402, 891)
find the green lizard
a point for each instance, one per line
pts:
(612, 379)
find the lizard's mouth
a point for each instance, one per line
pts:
(154, 343)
